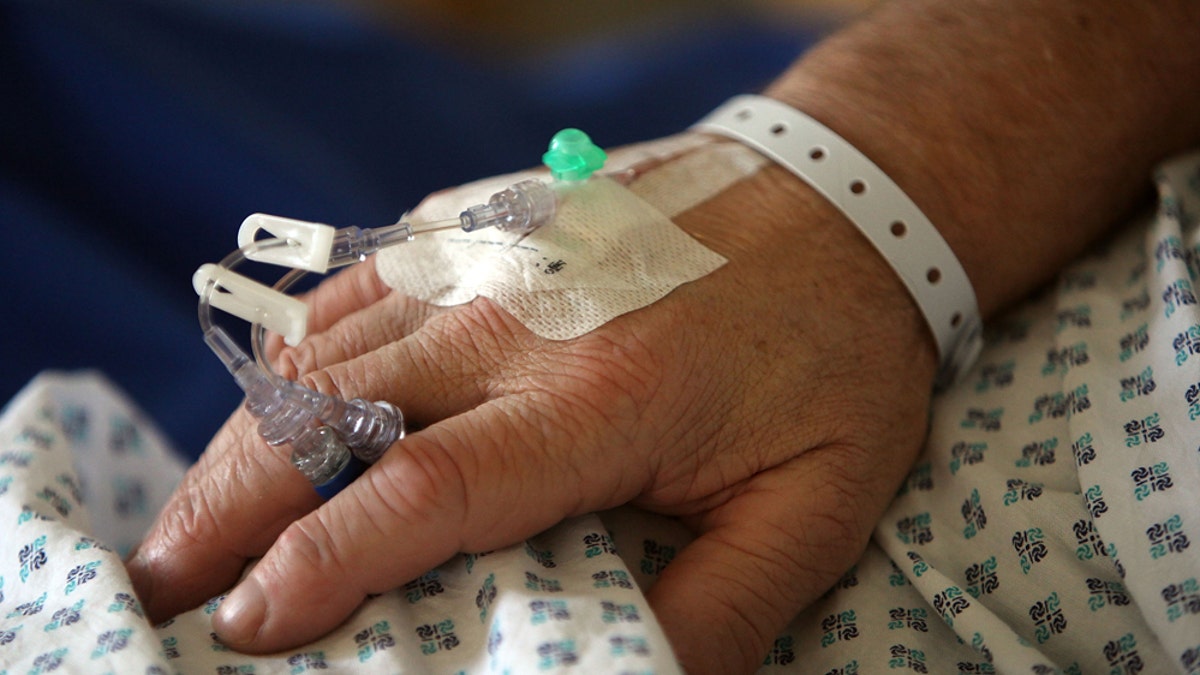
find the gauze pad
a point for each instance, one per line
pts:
(610, 249)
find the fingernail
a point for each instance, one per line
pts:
(135, 566)
(138, 569)
(241, 615)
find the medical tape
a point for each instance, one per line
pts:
(611, 249)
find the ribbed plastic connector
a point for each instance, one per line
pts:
(317, 451)
(321, 457)
(368, 429)
(522, 207)
(351, 470)
(354, 244)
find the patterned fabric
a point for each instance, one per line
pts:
(561, 601)
(1050, 526)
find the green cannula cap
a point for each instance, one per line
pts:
(573, 156)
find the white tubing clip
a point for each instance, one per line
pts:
(308, 245)
(254, 302)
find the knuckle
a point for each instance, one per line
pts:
(193, 518)
(604, 385)
(187, 523)
(306, 545)
(445, 352)
(368, 286)
(299, 360)
(199, 513)
(748, 632)
(428, 484)
(480, 333)
(353, 338)
(322, 350)
(352, 378)
(613, 377)
(324, 382)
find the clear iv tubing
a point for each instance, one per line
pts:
(281, 421)
(347, 249)
(367, 428)
(521, 208)
(330, 436)
(367, 434)
(322, 430)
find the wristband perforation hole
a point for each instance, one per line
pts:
(873, 202)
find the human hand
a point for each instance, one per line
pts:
(773, 405)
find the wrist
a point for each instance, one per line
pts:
(791, 249)
(989, 113)
(883, 213)
(940, 172)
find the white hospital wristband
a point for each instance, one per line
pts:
(877, 206)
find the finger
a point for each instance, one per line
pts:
(242, 494)
(431, 496)
(764, 555)
(458, 360)
(230, 506)
(348, 291)
(373, 327)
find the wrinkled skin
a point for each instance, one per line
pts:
(774, 406)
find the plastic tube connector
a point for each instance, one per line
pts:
(317, 451)
(367, 428)
(315, 247)
(572, 156)
(308, 244)
(352, 469)
(257, 303)
(319, 456)
(521, 208)
(354, 244)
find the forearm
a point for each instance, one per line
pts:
(1022, 128)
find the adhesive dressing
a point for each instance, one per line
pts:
(610, 250)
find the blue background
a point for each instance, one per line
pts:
(135, 137)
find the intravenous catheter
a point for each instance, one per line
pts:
(334, 440)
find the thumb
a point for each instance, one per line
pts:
(430, 496)
(396, 521)
(761, 558)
